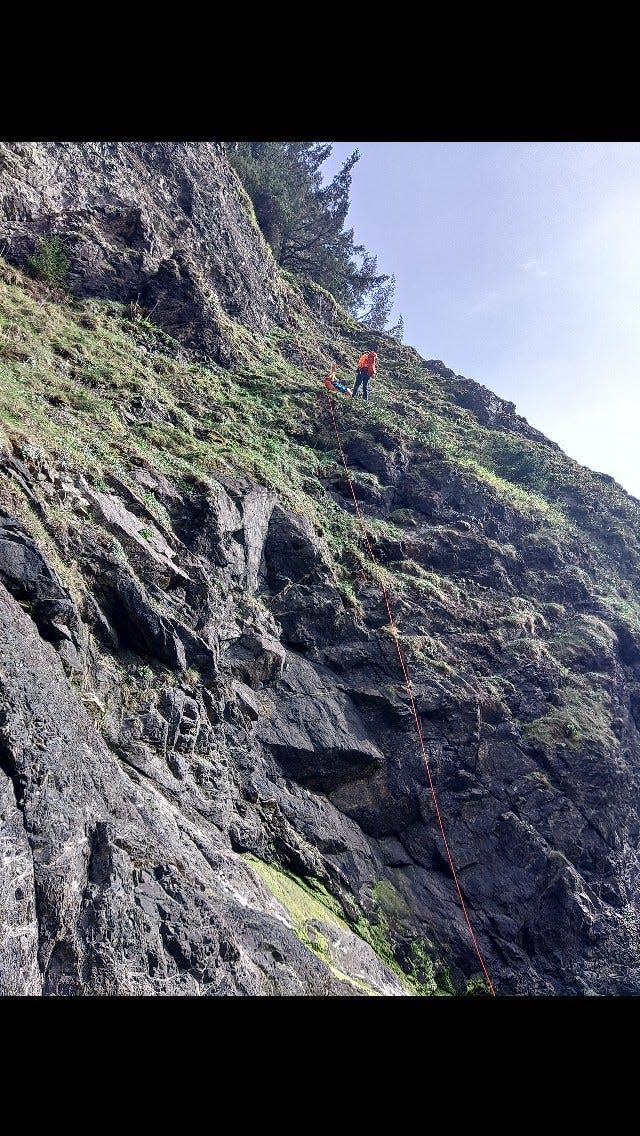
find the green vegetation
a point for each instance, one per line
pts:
(310, 906)
(581, 717)
(531, 505)
(519, 461)
(422, 971)
(50, 263)
(303, 222)
(93, 388)
(476, 986)
(587, 643)
(77, 380)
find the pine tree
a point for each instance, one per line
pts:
(303, 222)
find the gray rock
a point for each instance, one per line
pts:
(179, 243)
(215, 778)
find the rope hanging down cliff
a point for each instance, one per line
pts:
(414, 710)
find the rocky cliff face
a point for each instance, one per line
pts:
(164, 225)
(211, 780)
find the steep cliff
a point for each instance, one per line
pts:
(212, 764)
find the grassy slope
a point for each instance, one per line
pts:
(89, 387)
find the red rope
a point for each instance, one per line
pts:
(414, 708)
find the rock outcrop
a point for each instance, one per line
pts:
(211, 782)
(163, 225)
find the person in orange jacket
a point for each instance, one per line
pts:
(366, 370)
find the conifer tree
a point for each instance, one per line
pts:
(303, 221)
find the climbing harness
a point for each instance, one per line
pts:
(414, 710)
(333, 384)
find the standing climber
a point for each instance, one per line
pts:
(365, 371)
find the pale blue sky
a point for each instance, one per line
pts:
(518, 265)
